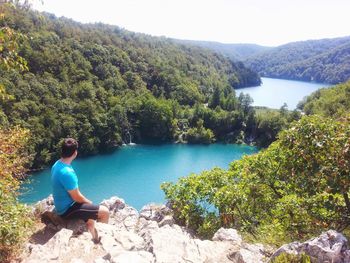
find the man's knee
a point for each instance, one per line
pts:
(103, 214)
(90, 223)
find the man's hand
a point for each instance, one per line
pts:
(78, 197)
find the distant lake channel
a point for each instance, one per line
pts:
(135, 172)
(273, 93)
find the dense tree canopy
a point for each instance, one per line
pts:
(334, 101)
(236, 52)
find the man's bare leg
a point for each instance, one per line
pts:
(91, 227)
(102, 216)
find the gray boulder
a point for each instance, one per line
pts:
(330, 246)
(167, 220)
(228, 234)
(44, 205)
(155, 212)
(249, 254)
(114, 203)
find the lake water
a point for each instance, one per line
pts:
(274, 92)
(135, 173)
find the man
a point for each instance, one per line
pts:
(69, 201)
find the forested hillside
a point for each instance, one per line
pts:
(328, 102)
(236, 52)
(325, 60)
(104, 86)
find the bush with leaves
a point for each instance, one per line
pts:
(14, 217)
(291, 258)
(295, 188)
(200, 134)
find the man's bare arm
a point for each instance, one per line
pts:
(78, 197)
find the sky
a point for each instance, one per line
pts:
(264, 22)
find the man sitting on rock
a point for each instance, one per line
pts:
(69, 201)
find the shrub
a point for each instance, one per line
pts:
(291, 258)
(14, 217)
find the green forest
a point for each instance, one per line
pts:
(333, 102)
(324, 61)
(104, 86)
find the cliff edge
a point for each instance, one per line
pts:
(151, 236)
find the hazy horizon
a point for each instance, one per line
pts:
(267, 23)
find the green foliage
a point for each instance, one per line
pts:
(155, 119)
(330, 102)
(270, 122)
(14, 217)
(236, 52)
(325, 61)
(291, 258)
(296, 187)
(9, 57)
(192, 200)
(200, 134)
(9, 45)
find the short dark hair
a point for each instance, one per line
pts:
(69, 146)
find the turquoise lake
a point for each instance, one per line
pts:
(136, 172)
(274, 92)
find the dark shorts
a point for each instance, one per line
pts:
(82, 211)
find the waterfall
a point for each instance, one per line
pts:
(128, 138)
(130, 142)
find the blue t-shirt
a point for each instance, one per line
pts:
(63, 179)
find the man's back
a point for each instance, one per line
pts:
(63, 179)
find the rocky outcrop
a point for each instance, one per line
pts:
(330, 246)
(150, 235)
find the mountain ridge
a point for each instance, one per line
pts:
(325, 60)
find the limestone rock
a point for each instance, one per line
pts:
(167, 220)
(146, 237)
(172, 244)
(216, 251)
(249, 254)
(228, 234)
(154, 212)
(134, 257)
(330, 246)
(127, 218)
(145, 226)
(101, 260)
(114, 203)
(43, 205)
(53, 249)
